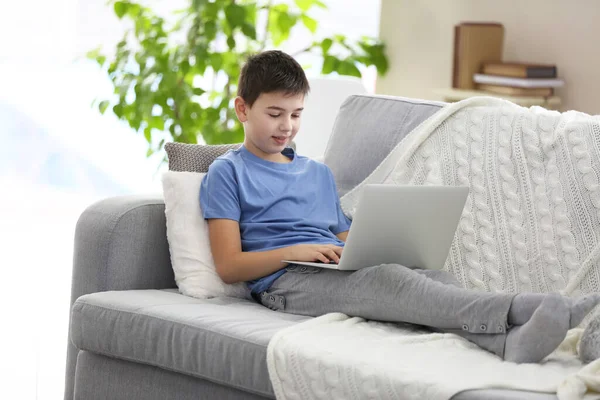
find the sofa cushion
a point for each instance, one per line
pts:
(184, 157)
(108, 378)
(189, 244)
(223, 340)
(195, 157)
(366, 129)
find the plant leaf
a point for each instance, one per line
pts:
(156, 122)
(231, 42)
(196, 4)
(210, 30)
(348, 68)
(330, 64)
(235, 15)
(310, 23)
(102, 106)
(249, 30)
(120, 8)
(93, 54)
(118, 110)
(148, 134)
(216, 61)
(304, 5)
(326, 45)
(376, 55)
(211, 11)
(284, 23)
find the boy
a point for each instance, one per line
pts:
(264, 204)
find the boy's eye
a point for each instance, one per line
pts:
(274, 115)
(296, 115)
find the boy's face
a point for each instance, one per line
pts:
(271, 123)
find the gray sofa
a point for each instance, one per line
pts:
(133, 336)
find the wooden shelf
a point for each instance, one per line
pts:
(452, 95)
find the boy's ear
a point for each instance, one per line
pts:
(241, 109)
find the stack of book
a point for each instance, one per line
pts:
(518, 79)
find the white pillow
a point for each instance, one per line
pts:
(187, 234)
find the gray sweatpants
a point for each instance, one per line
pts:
(395, 293)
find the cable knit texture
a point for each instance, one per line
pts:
(532, 219)
(335, 357)
(531, 223)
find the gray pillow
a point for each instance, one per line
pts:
(195, 157)
(589, 347)
(366, 129)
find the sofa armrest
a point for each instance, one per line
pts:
(120, 244)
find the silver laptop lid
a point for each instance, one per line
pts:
(408, 225)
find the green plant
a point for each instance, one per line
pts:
(177, 81)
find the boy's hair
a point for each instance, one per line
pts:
(271, 71)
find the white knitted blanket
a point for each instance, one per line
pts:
(532, 218)
(335, 357)
(531, 223)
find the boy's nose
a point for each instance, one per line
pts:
(286, 126)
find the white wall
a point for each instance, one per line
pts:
(419, 36)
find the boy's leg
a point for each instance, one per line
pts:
(522, 311)
(295, 292)
(492, 343)
(524, 305)
(398, 294)
(389, 293)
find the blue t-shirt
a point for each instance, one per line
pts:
(276, 204)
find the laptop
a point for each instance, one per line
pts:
(408, 225)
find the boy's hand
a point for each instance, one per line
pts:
(314, 252)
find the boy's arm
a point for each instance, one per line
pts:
(226, 247)
(342, 236)
(343, 223)
(233, 265)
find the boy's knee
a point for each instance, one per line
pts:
(440, 276)
(386, 273)
(395, 272)
(397, 275)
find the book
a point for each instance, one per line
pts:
(520, 70)
(475, 44)
(516, 91)
(518, 82)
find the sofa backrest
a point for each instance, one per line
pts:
(366, 129)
